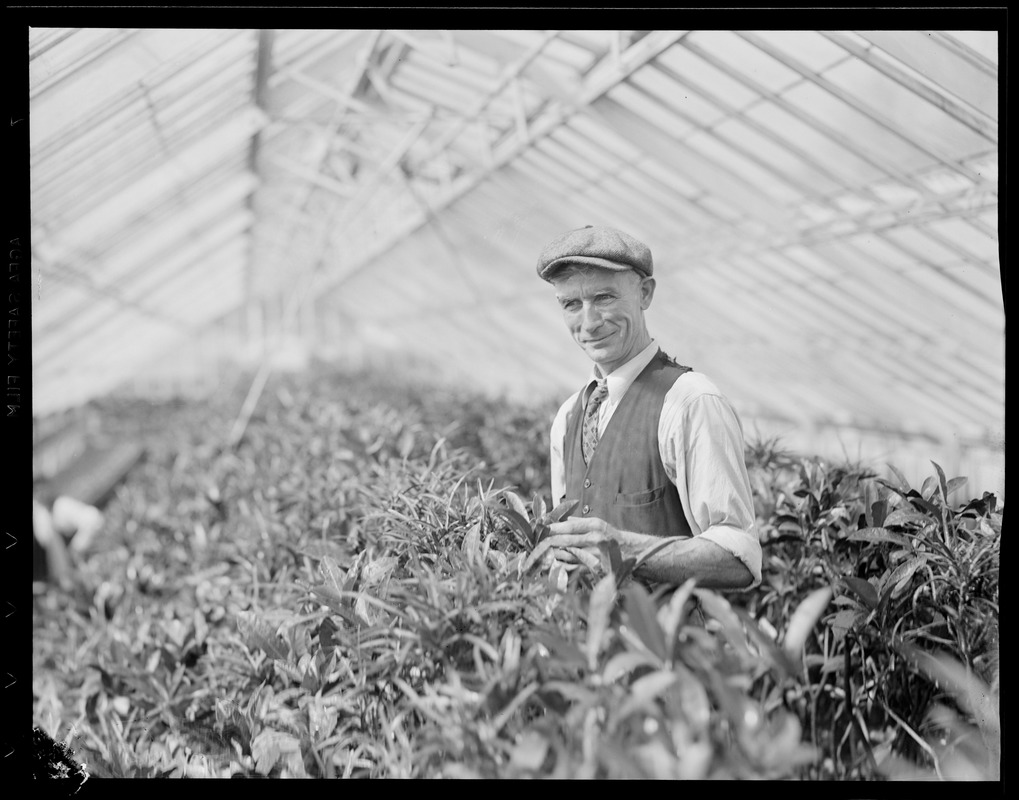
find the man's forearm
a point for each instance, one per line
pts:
(712, 566)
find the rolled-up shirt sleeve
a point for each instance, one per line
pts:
(557, 462)
(701, 442)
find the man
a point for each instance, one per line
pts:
(649, 448)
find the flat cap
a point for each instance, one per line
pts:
(598, 247)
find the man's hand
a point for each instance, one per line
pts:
(577, 538)
(660, 559)
(584, 526)
(574, 540)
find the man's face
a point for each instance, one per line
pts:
(604, 311)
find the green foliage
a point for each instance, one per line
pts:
(909, 572)
(361, 590)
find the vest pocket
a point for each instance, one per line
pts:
(640, 498)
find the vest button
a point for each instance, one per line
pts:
(585, 509)
(587, 483)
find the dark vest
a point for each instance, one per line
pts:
(626, 484)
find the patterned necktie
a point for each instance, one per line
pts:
(590, 440)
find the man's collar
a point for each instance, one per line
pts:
(620, 378)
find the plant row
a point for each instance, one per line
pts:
(365, 587)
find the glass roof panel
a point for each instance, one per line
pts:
(808, 47)
(913, 115)
(714, 82)
(746, 59)
(886, 146)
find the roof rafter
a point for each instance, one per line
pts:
(883, 165)
(854, 102)
(979, 123)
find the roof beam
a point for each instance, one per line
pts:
(174, 289)
(104, 368)
(299, 170)
(678, 155)
(814, 164)
(792, 182)
(357, 205)
(343, 98)
(137, 293)
(120, 265)
(155, 186)
(425, 50)
(979, 123)
(84, 64)
(510, 74)
(839, 137)
(853, 102)
(333, 41)
(110, 169)
(935, 57)
(599, 81)
(69, 138)
(48, 39)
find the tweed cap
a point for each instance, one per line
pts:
(598, 247)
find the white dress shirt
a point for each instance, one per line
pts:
(700, 440)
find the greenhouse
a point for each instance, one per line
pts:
(296, 385)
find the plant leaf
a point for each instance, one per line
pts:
(336, 603)
(624, 663)
(903, 483)
(671, 616)
(767, 646)
(844, 621)
(624, 571)
(878, 512)
(610, 547)
(529, 752)
(956, 483)
(354, 572)
(538, 507)
(942, 481)
(375, 571)
(517, 504)
(719, 609)
(863, 589)
(563, 510)
(269, 746)
(973, 695)
(574, 692)
(878, 535)
(901, 517)
(289, 670)
(564, 650)
(803, 620)
(642, 618)
(900, 576)
(518, 523)
(925, 504)
(332, 575)
(472, 543)
(599, 609)
(644, 690)
(260, 634)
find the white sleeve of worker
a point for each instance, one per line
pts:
(557, 462)
(702, 447)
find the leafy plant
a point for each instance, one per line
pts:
(907, 570)
(347, 594)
